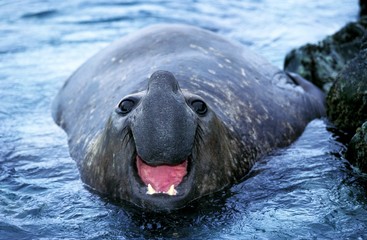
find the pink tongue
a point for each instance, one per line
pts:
(161, 177)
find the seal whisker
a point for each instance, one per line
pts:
(198, 137)
(126, 135)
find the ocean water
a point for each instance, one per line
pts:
(305, 191)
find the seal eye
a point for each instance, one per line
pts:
(126, 106)
(199, 107)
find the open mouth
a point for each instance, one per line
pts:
(162, 179)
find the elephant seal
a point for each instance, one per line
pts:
(172, 113)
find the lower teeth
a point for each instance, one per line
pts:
(171, 191)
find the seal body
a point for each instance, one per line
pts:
(172, 113)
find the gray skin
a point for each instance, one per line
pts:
(252, 109)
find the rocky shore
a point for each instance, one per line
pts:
(338, 65)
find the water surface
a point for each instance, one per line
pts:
(306, 191)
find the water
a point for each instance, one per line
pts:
(306, 191)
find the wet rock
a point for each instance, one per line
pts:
(357, 149)
(363, 6)
(338, 65)
(320, 63)
(347, 99)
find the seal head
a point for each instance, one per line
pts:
(153, 150)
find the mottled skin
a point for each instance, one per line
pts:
(253, 108)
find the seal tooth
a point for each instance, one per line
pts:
(151, 190)
(172, 191)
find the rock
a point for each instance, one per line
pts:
(357, 149)
(338, 65)
(320, 63)
(347, 99)
(363, 6)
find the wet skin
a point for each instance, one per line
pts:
(173, 113)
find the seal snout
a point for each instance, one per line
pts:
(163, 127)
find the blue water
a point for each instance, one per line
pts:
(306, 191)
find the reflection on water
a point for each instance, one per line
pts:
(305, 191)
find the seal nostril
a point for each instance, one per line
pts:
(163, 80)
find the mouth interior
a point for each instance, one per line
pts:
(161, 177)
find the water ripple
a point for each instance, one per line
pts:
(305, 191)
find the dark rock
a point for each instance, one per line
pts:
(363, 6)
(338, 65)
(320, 63)
(357, 149)
(347, 99)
